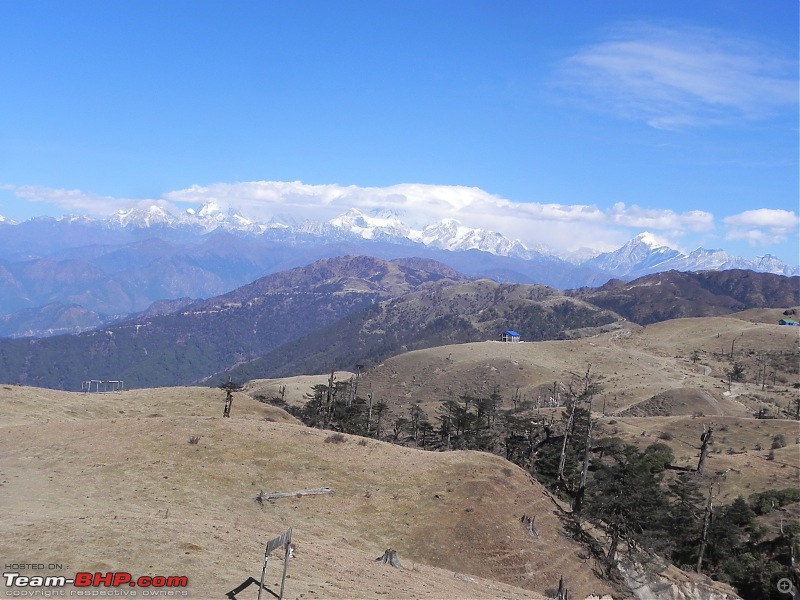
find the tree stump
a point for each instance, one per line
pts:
(390, 558)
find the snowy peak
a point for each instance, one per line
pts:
(647, 239)
(643, 254)
(144, 217)
(719, 260)
(772, 264)
(370, 227)
(448, 234)
(212, 216)
(210, 210)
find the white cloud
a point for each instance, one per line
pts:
(77, 201)
(660, 219)
(682, 77)
(762, 227)
(765, 217)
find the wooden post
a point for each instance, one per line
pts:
(263, 571)
(285, 560)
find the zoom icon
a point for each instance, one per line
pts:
(785, 586)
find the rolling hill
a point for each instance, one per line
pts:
(155, 482)
(649, 387)
(338, 312)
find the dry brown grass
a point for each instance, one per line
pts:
(108, 482)
(633, 365)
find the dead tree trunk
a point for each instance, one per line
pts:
(612, 551)
(587, 450)
(530, 525)
(269, 497)
(329, 400)
(791, 539)
(369, 415)
(226, 412)
(229, 388)
(706, 440)
(567, 431)
(390, 558)
(562, 593)
(706, 527)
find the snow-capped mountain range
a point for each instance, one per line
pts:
(644, 255)
(640, 256)
(67, 274)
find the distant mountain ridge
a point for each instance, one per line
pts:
(637, 257)
(116, 267)
(643, 255)
(340, 311)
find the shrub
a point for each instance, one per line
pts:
(764, 502)
(335, 438)
(194, 439)
(779, 441)
(656, 457)
(665, 435)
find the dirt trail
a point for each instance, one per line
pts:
(713, 402)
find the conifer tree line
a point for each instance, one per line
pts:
(643, 503)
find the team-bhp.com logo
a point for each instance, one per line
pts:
(113, 579)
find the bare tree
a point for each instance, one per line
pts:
(706, 527)
(705, 438)
(229, 388)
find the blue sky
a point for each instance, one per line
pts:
(565, 124)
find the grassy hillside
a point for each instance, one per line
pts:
(661, 385)
(105, 482)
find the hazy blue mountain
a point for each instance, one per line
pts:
(121, 265)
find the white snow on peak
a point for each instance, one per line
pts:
(369, 227)
(648, 239)
(144, 217)
(448, 234)
(210, 209)
(644, 254)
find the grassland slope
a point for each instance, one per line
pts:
(111, 482)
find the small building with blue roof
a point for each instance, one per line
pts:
(510, 336)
